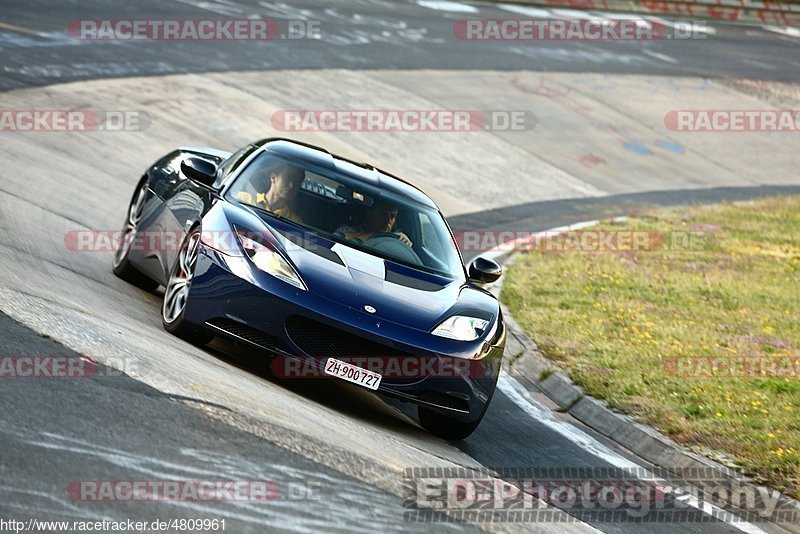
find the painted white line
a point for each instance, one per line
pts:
(663, 22)
(759, 64)
(688, 28)
(19, 29)
(641, 22)
(221, 7)
(441, 5)
(521, 242)
(576, 14)
(532, 12)
(285, 11)
(783, 30)
(659, 55)
(520, 396)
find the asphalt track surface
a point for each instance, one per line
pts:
(190, 413)
(362, 34)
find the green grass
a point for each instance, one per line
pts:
(613, 321)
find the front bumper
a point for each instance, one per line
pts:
(230, 298)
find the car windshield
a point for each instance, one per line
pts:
(348, 211)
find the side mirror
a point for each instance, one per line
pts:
(484, 271)
(199, 170)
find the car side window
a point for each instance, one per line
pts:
(232, 163)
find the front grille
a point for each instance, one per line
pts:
(322, 341)
(244, 332)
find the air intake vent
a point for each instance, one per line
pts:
(321, 341)
(244, 332)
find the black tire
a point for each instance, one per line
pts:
(445, 426)
(120, 265)
(176, 293)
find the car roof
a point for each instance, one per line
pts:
(361, 171)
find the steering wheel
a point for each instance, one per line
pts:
(380, 235)
(389, 243)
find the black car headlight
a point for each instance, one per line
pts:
(461, 328)
(268, 259)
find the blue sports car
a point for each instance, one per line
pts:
(336, 268)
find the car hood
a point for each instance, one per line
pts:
(381, 288)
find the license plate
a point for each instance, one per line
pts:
(352, 373)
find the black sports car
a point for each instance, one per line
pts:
(335, 267)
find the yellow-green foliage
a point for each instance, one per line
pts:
(616, 322)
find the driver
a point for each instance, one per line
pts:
(284, 182)
(381, 219)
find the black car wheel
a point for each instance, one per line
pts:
(176, 293)
(445, 426)
(120, 264)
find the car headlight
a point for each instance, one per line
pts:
(462, 328)
(270, 261)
